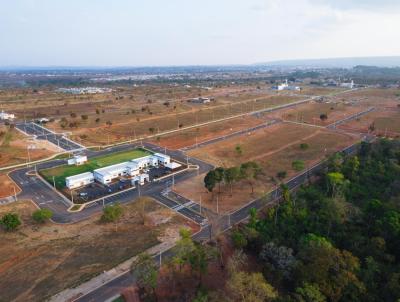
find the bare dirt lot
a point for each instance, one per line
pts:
(310, 113)
(36, 262)
(7, 186)
(274, 149)
(201, 134)
(380, 122)
(14, 148)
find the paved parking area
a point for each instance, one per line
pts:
(31, 128)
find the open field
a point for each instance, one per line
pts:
(43, 260)
(129, 128)
(382, 122)
(261, 142)
(7, 186)
(200, 134)
(14, 147)
(61, 172)
(310, 113)
(274, 149)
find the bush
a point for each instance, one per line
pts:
(42, 215)
(298, 165)
(10, 221)
(238, 239)
(304, 146)
(281, 174)
(112, 213)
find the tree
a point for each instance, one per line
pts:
(239, 239)
(298, 165)
(199, 259)
(112, 213)
(326, 266)
(236, 262)
(145, 269)
(10, 221)
(109, 123)
(238, 150)
(184, 248)
(84, 117)
(279, 258)
(250, 287)
(336, 182)
(210, 180)
(73, 114)
(323, 117)
(231, 175)
(249, 171)
(219, 176)
(42, 215)
(281, 174)
(309, 293)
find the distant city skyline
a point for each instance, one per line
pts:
(177, 32)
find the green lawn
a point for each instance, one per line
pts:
(61, 172)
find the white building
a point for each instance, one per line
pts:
(77, 160)
(6, 116)
(286, 86)
(134, 168)
(107, 174)
(347, 85)
(141, 179)
(162, 159)
(80, 180)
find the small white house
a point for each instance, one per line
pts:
(6, 116)
(79, 180)
(77, 160)
(173, 166)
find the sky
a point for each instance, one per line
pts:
(193, 32)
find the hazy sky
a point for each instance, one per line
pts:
(183, 32)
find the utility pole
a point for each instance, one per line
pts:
(200, 204)
(15, 193)
(139, 188)
(103, 202)
(217, 204)
(54, 182)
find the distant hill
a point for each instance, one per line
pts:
(337, 62)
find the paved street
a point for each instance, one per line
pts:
(42, 133)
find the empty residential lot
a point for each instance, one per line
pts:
(274, 149)
(43, 260)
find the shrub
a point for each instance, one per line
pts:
(42, 215)
(281, 174)
(10, 221)
(298, 165)
(238, 239)
(304, 146)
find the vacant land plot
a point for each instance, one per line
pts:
(14, 148)
(61, 172)
(200, 134)
(37, 262)
(7, 186)
(380, 122)
(253, 145)
(311, 113)
(126, 129)
(274, 149)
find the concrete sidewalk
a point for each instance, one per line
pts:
(71, 294)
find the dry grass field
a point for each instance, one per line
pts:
(128, 127)
(310, 113)
(7, 186)
(204, 133)
(44, 260)
(274, 149)
(14, 147)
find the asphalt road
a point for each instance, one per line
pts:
(42, 133)
(44, 196)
